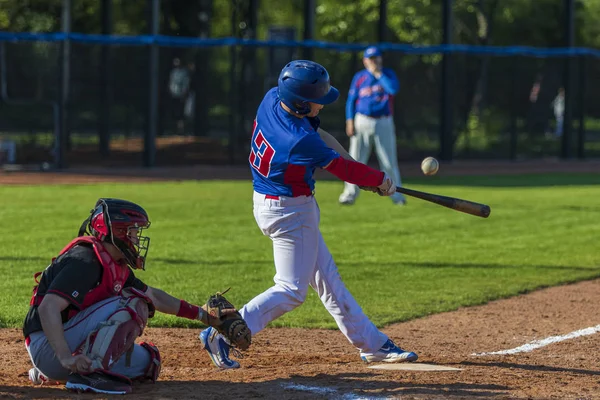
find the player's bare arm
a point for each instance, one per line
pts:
(168, 304)
(163, 301)
(50, 318)
(350, 127)
(351, 106)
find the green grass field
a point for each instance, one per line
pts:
(400, 263)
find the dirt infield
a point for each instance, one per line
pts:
(203, 172)
(308, 364)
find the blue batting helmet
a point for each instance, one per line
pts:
(301, 82)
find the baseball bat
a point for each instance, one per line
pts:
(469, 207)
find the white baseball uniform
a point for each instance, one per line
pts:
(370, 105)
(302, 259)
(285, 150)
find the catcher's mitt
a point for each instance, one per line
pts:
(229, 323)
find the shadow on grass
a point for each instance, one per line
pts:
(26, 258)
(527, 367)
(393, 264)
(579, 208)
(183, 261)
(472, 266)
(176, 261)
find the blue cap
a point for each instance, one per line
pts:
(372, 52)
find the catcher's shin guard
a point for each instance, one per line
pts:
(153, 370)
(117, 334)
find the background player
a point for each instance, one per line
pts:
(369, 121)
(89, 307)
(287, 146)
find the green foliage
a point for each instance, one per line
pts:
(415, 21)
(428, 259)
(517, 22)
(130, 17)
(586, 15)
(348, 22)
(30, 15)
(280, 13)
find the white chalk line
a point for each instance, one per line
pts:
(331, 393)
(536, 344)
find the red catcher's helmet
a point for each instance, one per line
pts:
(121, 223)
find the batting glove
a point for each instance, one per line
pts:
(387, 187)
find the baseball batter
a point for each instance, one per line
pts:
(369, 121)
(287, 146)
(88, 307)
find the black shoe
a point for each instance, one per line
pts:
(98, 383)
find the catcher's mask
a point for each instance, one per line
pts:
(121, 223)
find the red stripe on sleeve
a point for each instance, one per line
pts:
(355, 172)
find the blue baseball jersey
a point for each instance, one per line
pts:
(371, 96)
(285, 150)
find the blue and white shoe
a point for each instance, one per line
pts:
(390, 353)
(217, 348)
(346, 199)
(399, 199)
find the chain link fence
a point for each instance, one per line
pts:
(505, 106)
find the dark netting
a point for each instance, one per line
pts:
(589, 82)
(29, 86)
(195, 123)
(109, 90)
(503, 107)
(417, 105)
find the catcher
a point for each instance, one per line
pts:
(88, 307)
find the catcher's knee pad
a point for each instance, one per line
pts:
(117, 334)
(153, 370)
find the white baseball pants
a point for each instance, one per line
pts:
(302, 260)
(381, 133)
(77, 330)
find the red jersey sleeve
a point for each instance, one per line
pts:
(355, 172)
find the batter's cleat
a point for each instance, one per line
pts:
(217, 348)
(346, 201)
(399, 199)
(390, 353)
(97, 383)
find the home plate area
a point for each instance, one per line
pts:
(542, 345)
(414, 367)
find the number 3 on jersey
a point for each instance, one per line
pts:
(261, 152)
